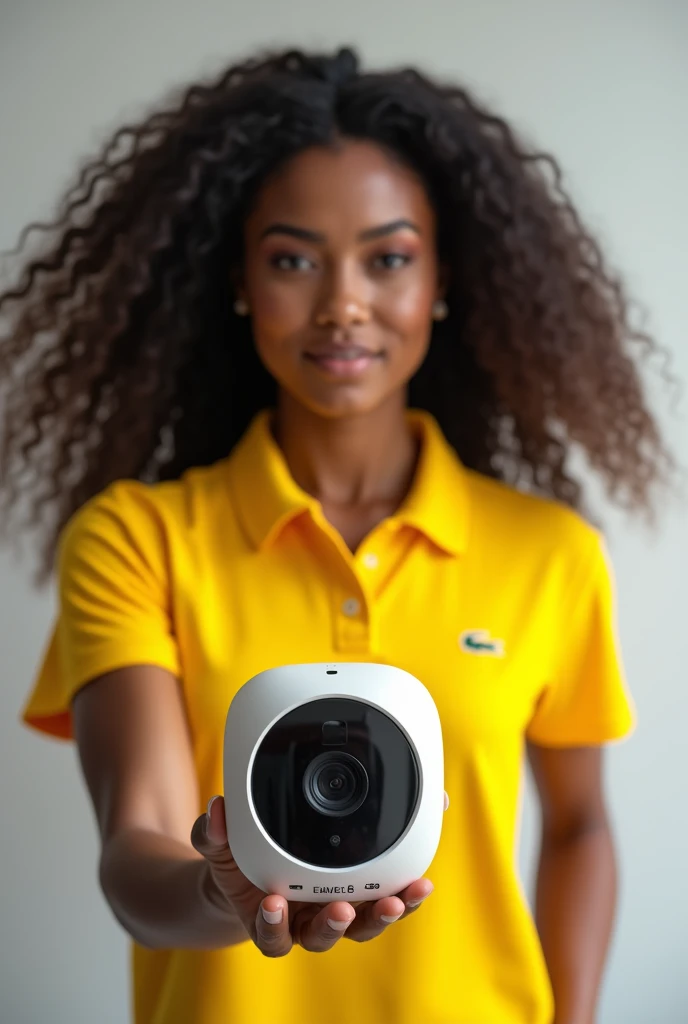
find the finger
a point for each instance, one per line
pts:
(373, 918)
(273, 937)
(415, 894)
(319, 933)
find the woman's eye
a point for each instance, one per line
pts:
(392, 260)
(288, 261)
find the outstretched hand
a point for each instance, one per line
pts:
(275, 924)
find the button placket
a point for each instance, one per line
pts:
(351, 631)
(351, 607)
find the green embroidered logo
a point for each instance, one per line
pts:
(477, 641)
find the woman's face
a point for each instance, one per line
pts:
(340, 275)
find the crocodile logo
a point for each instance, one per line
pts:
(478, 641)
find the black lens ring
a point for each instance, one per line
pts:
(351, 767)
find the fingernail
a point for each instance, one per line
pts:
(390, 920)
(206, 823)
(338, 926)
(272, 916)
(417, 903)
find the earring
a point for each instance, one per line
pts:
(241, 307)
(440, 310)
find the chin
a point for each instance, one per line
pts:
(346, 402)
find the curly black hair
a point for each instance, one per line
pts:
(122, 357)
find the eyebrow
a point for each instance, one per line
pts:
(365, 236)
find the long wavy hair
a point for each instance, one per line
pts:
(121, 355)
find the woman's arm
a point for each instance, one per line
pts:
(135, 752)
(577, 878)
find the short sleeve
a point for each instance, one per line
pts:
(586, 700)
(114, 602)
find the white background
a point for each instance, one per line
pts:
(601, 83)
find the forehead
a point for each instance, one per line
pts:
(348, 188)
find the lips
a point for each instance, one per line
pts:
(344, 360)
(340, 352)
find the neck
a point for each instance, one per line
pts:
(348, 460)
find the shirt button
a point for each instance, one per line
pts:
(370, 560)
(351, 607)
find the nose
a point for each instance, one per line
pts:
(342, 307)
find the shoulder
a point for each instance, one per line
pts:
(140, 514)
(518, 520)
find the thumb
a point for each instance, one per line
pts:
(209, 833)
(209, 838)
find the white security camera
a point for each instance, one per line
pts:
(333, 780)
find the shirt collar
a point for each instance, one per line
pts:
(268, 497)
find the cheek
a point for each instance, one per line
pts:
(408, 309)
(278, 318)
(277, 310)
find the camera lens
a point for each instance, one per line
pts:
(335, 784)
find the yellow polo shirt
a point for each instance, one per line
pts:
(501, 603)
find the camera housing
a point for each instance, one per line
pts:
(334, 780)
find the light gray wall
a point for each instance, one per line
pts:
(604, 85)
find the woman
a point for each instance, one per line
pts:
(313, 356)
